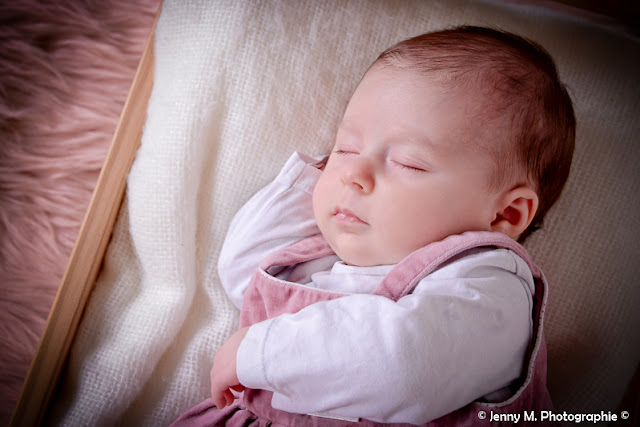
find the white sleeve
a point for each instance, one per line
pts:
(460, 335)
(275, 217)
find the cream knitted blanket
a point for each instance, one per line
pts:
(239, 85)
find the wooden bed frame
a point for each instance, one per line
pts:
(89, 249)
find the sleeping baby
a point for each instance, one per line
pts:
(386, 283)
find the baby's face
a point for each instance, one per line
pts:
(403, 172)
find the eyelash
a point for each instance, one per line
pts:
(402, 166)
(411, 168)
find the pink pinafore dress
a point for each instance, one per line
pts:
(267, 297)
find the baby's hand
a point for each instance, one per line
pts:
(223, 373)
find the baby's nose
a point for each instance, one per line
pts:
(359, 175)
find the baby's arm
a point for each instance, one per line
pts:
(277, 216)
(454, 340)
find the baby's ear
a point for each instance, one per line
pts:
(515, 211)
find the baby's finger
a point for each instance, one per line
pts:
(223, 399)
(219, 396)
(218, 400)
(228, 397)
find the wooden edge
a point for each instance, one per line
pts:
(89, 249)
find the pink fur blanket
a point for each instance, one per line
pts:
(65, 70)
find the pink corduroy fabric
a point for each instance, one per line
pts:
(268, 297)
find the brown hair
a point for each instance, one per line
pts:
(523, 91)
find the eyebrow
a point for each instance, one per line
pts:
(423, 142)
(346, 125)
(419, 141)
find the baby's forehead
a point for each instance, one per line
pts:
(482, 120)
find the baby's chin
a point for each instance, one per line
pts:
(363, 253)
(359, 259)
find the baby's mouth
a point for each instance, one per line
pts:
(347, 217)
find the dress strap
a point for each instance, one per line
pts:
(303, 250)
(406, 274)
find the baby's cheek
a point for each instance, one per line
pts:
(321, 200)
(317, 196)
(396, 238)
(408, 231)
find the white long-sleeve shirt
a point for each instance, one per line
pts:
(461, 335)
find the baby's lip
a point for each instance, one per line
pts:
(347, 216)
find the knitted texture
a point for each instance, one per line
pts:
(238, 87)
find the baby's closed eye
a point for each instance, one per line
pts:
(344, 152)
(408, 166)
